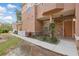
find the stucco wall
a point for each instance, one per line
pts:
(77, 20)
(38, 26)
(77, 26)
(69, 6)
(45, 7)
(30, 23)
(28, 19)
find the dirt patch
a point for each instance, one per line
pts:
(4, 37)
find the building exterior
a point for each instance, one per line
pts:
(36, 19)
(17, 26)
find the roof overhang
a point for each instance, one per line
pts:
(53, 11)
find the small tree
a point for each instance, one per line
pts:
(52, 32)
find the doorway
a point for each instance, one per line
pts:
(68, 28)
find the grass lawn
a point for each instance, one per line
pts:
(11, 42)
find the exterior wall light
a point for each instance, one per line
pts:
(74, 19)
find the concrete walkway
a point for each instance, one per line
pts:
(64, 47)
(67, 47)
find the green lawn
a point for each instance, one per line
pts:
(9, 43)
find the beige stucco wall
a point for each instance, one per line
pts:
(45, 7)
(28, 19)
(24, 17)
(38, 26)
(77, 20)
(77, 26)
(19, 27)
(69, 6)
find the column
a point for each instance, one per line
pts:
(77, 26)
(51, 20)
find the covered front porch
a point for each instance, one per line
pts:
(64, 24)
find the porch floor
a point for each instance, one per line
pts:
(68, 46)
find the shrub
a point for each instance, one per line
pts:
(1, 31)
(52, 27)
(4, 30)
(44, 38)
(53, 38)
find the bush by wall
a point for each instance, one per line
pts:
(5, 28)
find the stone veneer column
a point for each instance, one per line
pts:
(77, 26)
(51, 20)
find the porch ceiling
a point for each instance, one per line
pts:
(43, 18)
(53, 11)
(64, 13)
(58, 15)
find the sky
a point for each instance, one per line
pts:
(8, 12)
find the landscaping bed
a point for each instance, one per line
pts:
(50, 37)
(46, 39)
(10, 43)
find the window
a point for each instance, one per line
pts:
(28, 10)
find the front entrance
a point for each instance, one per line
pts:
(68, 28)
(65, 28)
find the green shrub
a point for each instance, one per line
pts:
(44, 38)
(1, 31)
(52, 27)
(4, 30)
(53, 38)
